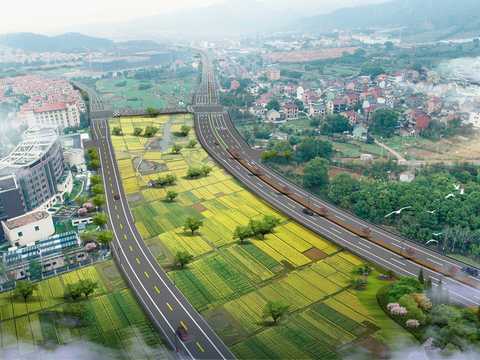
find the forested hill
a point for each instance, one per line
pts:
(445, 17)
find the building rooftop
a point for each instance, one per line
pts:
(51, 107)
(36, 142)
(43, 248)
(7, 183)
(26, 219)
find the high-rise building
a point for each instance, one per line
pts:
(37, 166)
(12, 203)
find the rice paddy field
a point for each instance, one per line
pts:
(114, 324)
(230, 283)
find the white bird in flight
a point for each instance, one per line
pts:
(456, 186)
(431, 211)
(449, 196)
(437, 234)
(430, 241)
(397, 212)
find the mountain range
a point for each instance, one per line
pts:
(71, 42)
(446, 18)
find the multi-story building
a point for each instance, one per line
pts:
(59, 115)
(273, 74)
(290, 110)
(12, 203)
(37, 166)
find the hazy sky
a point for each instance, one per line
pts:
(53, 15)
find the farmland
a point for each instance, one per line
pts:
(110, 319)
(230, 283)
(137, 94)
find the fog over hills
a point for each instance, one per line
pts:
(447, 18)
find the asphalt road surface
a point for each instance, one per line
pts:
(217, 133)
(163, 302)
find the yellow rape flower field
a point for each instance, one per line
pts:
(230, 283)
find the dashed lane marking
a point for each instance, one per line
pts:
(169, 307)
(200, 347)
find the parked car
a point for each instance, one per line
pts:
(116, 197)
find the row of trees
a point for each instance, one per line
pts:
(256, 228)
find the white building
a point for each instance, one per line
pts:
(474, 119)
(273, 116)
(26, 229)
(300, 93)
(59, 115)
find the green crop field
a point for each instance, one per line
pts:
(136, 94)
(112, 319)
(231, 283)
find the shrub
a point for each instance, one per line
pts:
(414, 312)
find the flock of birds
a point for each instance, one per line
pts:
(458, 189)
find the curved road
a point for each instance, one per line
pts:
(217, 133)
(163, 302)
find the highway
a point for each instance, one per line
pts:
(162, 301)
(217, 133)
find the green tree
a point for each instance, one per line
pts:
(176, 149)
(96, 180)
(192, 143)
(24, 289)
(117, 131)
(100, 219)
(171, 195)
(150, 131)
(98, 200)
(335, 124)
(195, 172)
(310, 148)
(276, 310)
(264, 226)
(192, 224)
(152, 111)
(81, 199)
(421, 278)
(35, 270)
(182, 258)
(105, 238)
(73, 292)
(184, 130)
(137, 131)
(88, 236)
(242, 233)
(342, 188)
(97, 189)
(384, 122)
(358, 283)
(94, 164)
(87, 287)
(315, 174)
(167, 180)
(273, 105)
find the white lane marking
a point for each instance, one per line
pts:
(397, 261)
(435, 262)
(336, 230)
(110, 151)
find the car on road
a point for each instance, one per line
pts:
(182, 334)
(116, 197)
(308, 212)
(470, 271)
